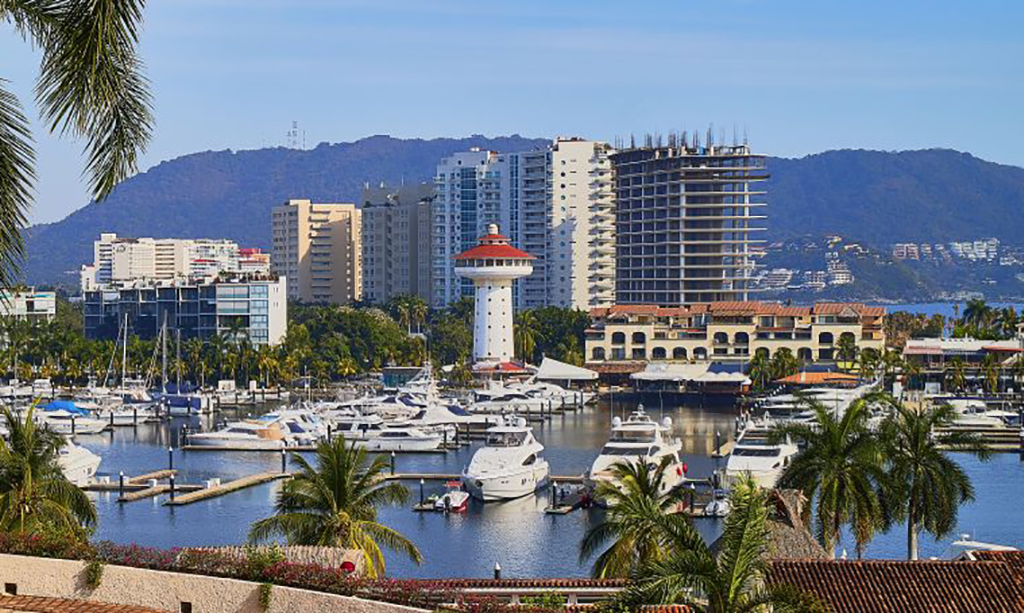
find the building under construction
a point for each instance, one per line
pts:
(687, 215)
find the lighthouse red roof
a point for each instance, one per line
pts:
(494, 245)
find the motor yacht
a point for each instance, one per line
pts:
(753, 456)
(78, 463)
(509, 465)
(399, 438)
(64, 417)
(275, 430)
(639, 438)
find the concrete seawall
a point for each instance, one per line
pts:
(170, 591)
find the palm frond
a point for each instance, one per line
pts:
(91, 85)
(17, 160)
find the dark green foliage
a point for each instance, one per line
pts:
(265, 593)
(93, 574)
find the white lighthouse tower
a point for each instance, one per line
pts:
(493, 265)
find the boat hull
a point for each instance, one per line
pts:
(507, 486)
(199, 440)
(376, 444)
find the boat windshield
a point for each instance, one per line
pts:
(756, 452)
(633, 436)
(618, 450)
(505, 439)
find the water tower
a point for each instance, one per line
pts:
(493, 265)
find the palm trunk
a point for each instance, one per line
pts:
(912, 536)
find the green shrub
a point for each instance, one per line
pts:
(93, 574)
(548, 600)
(265, 589)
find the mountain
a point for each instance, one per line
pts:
(229, 194)
(933, 195)
(874, 197)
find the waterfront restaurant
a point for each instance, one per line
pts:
(728, 332)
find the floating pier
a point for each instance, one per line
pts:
(226, 488)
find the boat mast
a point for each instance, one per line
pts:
(124, 353)
(163, 357)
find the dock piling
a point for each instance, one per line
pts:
(120, 483)
(284, 461)
(421, 491)
(171, 478)
(170, 458)
(392, 462)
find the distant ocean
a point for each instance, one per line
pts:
(941, 308)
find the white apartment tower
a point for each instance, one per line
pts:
(555, 203)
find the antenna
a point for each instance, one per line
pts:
(293, 136)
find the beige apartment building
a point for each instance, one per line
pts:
(396, 241)
(729, 331)
(318, 247)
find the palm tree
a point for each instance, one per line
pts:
(991, 369)
(90, 86)
(525, 335)
(784, 363)
(335, 505)
(847, 349)
(924, 486)
(760, 371)
(839, 470)
(956, 375)
(977, 313)
(636, 510)
(733, 580)
(34, 493)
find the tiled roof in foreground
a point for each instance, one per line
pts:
(889, 586)
(41, 604)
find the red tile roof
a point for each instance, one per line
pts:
(889, 586)
(42, 604)
(819, 378)
(494, 251)
(1013, 559)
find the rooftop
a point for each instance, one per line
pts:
(60, 605)
(743, 309)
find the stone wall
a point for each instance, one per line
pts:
(167, 591)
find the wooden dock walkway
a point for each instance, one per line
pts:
(159, 475)
(226, 488)
(149, 492)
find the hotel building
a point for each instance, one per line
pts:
(555, 203)
(729, 331)
(259, 308)
(319, 248)
(122, 261)
(396, 241)
(686, 218)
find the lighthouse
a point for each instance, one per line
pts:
(493, 265)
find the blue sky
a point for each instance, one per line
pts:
(801, 77)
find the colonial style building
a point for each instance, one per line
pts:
(729, 331)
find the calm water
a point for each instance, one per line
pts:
(945, 309)
(517, 534)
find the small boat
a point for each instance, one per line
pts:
(509, 465)
(64, 417)
(78, 463)
(719, 505)
(455, 500)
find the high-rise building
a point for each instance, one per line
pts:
(319, 248)
(686, 217)
(396, 241)
(126, 261)
(555, 203)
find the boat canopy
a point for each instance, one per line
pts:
(553, 370)
(64, 405)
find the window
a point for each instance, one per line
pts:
(598, 354)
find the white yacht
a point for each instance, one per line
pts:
(752, 455)
(399, 438)
(69, 422)
(509, 465)
(974, 413)
(639, 438)
(78, 463)
(275, 430)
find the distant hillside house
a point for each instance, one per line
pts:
(28, 304)
(730, 331)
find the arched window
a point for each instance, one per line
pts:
(741, 338)
(804, 354)
(658, 353)
(639, 338)
(763, 351)
(847, 337)
(679, 353)
(618, 338)
(598, 354)
(825, 338)
(721, 338)
(700, 353)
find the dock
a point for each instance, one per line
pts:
(1007, 440)
(149, 492)
(226, 488)
(452, 477)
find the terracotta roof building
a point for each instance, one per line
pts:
(724, 331)
(889, 586)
